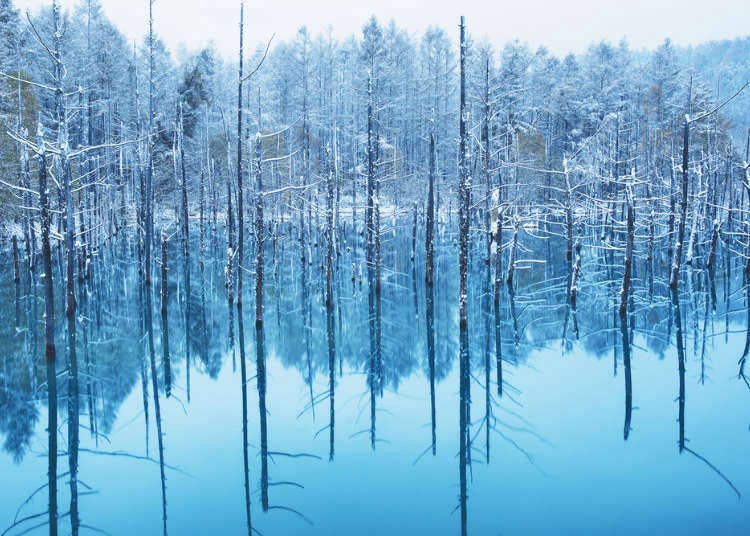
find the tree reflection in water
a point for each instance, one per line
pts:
(379, 348)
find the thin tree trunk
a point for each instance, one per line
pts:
(259, 234)
(430, 219)
(463, 314)
(674, 277)
(625, 290)
(50, 351)
(150, 146)
(240, 213)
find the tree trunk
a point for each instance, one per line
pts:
(240, 213)
(464, 186)
(49, 335)
(625, 290)
(674, 277)
(150, 145)
(259, 234)
(430, 219)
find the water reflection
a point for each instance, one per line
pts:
(355, 350)
(245, 454)
(157, 406)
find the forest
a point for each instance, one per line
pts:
(383, 210)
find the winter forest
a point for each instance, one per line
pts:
(382, 284)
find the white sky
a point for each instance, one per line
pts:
(561, 25)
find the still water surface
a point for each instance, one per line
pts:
(560, 456)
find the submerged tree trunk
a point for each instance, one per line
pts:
(498, 239)
(330, 326)
(625, 290)
(240, 211)
(464, 187)
(430, 220)
(262, 414)
(166, 360)
(372, 290)
(370, 210)
(230, 230)
(675, 275)
(49, 335)
(150, 145)
(186, 248)
(430, 287)
(259, 234)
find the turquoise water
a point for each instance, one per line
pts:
(555, 460)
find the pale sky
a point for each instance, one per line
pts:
(563, 26)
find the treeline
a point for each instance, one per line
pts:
(608, 111)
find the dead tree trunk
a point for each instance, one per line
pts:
(240, 213)
(49, 335)
(464, 186)
(164, 288)
(370, 210)
(185, 225)
(202, 223)
(16, 262)
(677, 259)
(513, 253)
(29, 232)
(712, 248)
(259, 234)
(575, 275)
(150, 145)
(430, 219)
(230, 225)
(164, 319)
(625, 291)
(330, 326)
(496, 300)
